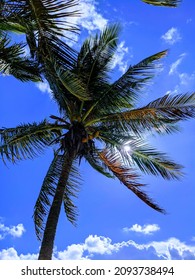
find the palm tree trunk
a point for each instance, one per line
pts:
(53, 216)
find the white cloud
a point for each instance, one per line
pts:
(11, 254)
(172, 248)
(44, 87)
(169, 249)
(73, 252)
(145, 229)
(15, 231)
(90, 18)
(172, 36)
(93, 245)
(186, 79)
(174, 65)
(118, 59)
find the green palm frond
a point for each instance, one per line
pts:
(128, 86)
(43, 23)
(164, 3)
(127, 176)
(27, 140)
(46, 15)
(96, 55)
(174, 107)
(7, 25)
(96, 163)
(71, 191)
(160, 115)
(47, 192)
(151, 161)
(51, 20)
(139, 121)
(53, 15)
(124, 92)
(73, 85)
(13, 62)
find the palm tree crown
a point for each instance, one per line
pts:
(97, 117)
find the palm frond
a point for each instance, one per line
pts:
(160, 115)
(43, 22)
(128, 177)
(7, 25)
(96, 163)
(71, 190)
(151, 161)
(73, 85)
(174, 108)
(124, 92)
(48, 190)
(164, 3)
(13, 62)
(139, 121)
(46, 15)
(95, 56)
(27, 140)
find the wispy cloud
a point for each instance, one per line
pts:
(44, 87)
(14, 231)
(171, 36)
(145, 229)
(174, 65)
(184, 81)
(187, 79)
(119, 58)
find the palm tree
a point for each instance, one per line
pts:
(164, 3)
(97, 118)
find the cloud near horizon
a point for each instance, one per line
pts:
(100, 247)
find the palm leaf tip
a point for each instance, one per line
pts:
(128, 178)
(164, 3)
(151, 161)
(173, 108)
(26, 141)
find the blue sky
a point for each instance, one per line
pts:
(113, 223)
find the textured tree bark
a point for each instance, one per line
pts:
(53, 216)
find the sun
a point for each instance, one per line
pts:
(127, 148)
